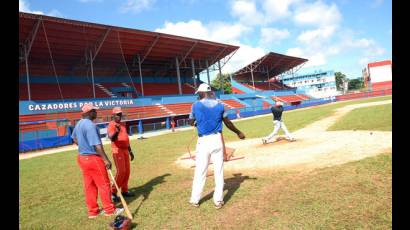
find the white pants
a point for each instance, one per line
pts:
(208, 147)
(278, 125)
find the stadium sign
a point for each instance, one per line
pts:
(33, 107)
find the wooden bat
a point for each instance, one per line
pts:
(124, 204)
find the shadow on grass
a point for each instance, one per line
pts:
(231, 184)
(145, 190)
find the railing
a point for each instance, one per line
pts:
(364, 94)
(183, 122)
(154, 126)
(35, 142)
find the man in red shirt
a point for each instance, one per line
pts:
(120, 146)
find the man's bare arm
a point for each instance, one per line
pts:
(191, 122)
(232, 127)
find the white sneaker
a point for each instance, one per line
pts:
(196, 205)
(116, 212)
(219, 205)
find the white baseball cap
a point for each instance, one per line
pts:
(278, 103)
(203, 88)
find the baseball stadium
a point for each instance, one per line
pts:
(335, 175)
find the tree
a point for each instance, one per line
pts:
(340, 77)
(216, 83)
(356, 84)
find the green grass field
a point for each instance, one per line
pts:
(377, 117)
(353, 195)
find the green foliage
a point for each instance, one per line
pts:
(216, 83)
(340, 77)
(356, 84)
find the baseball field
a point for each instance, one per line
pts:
(337, 175)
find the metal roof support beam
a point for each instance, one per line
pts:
(150, 48)
(178, 76)
(253, 82)
(98, 45)
(229, 58)
(30, 39)
(220, 75)
(139, 68)
(28, 78)
(219, 54)
(207, 71)
(198, 78)
(92, 72)
(193, 71)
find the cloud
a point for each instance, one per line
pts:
(136, 6)
(317, 35)
(317, 58)
(245, 55)
(277, 9)
(55, 13)
(246, 12)
(24, 6)
(269, 35)
(317, 44)
(364, 49)
(218, 32)
(261, 12)
(317, 14)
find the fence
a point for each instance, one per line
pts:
(40, 139)
(364, 94)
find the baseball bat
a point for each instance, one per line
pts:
(124, 204)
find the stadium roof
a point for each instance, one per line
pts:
(74, 43)
(272, 63)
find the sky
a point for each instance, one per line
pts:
(339, 35)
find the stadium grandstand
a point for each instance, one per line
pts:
(265, 75)
(66, 63)
(153, 76)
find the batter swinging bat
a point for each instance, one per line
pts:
(124, 204)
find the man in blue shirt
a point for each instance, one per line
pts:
(94, 164)
(207, 115)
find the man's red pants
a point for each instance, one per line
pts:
(95, 181)
(122, 164)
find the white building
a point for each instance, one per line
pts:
(380, 75)
(319, 84)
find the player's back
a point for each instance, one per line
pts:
(208, 115)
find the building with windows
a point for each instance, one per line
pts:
(318, 84)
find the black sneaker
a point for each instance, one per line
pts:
(127, 194)
(115, 198)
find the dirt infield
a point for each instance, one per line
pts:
(315, 147)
